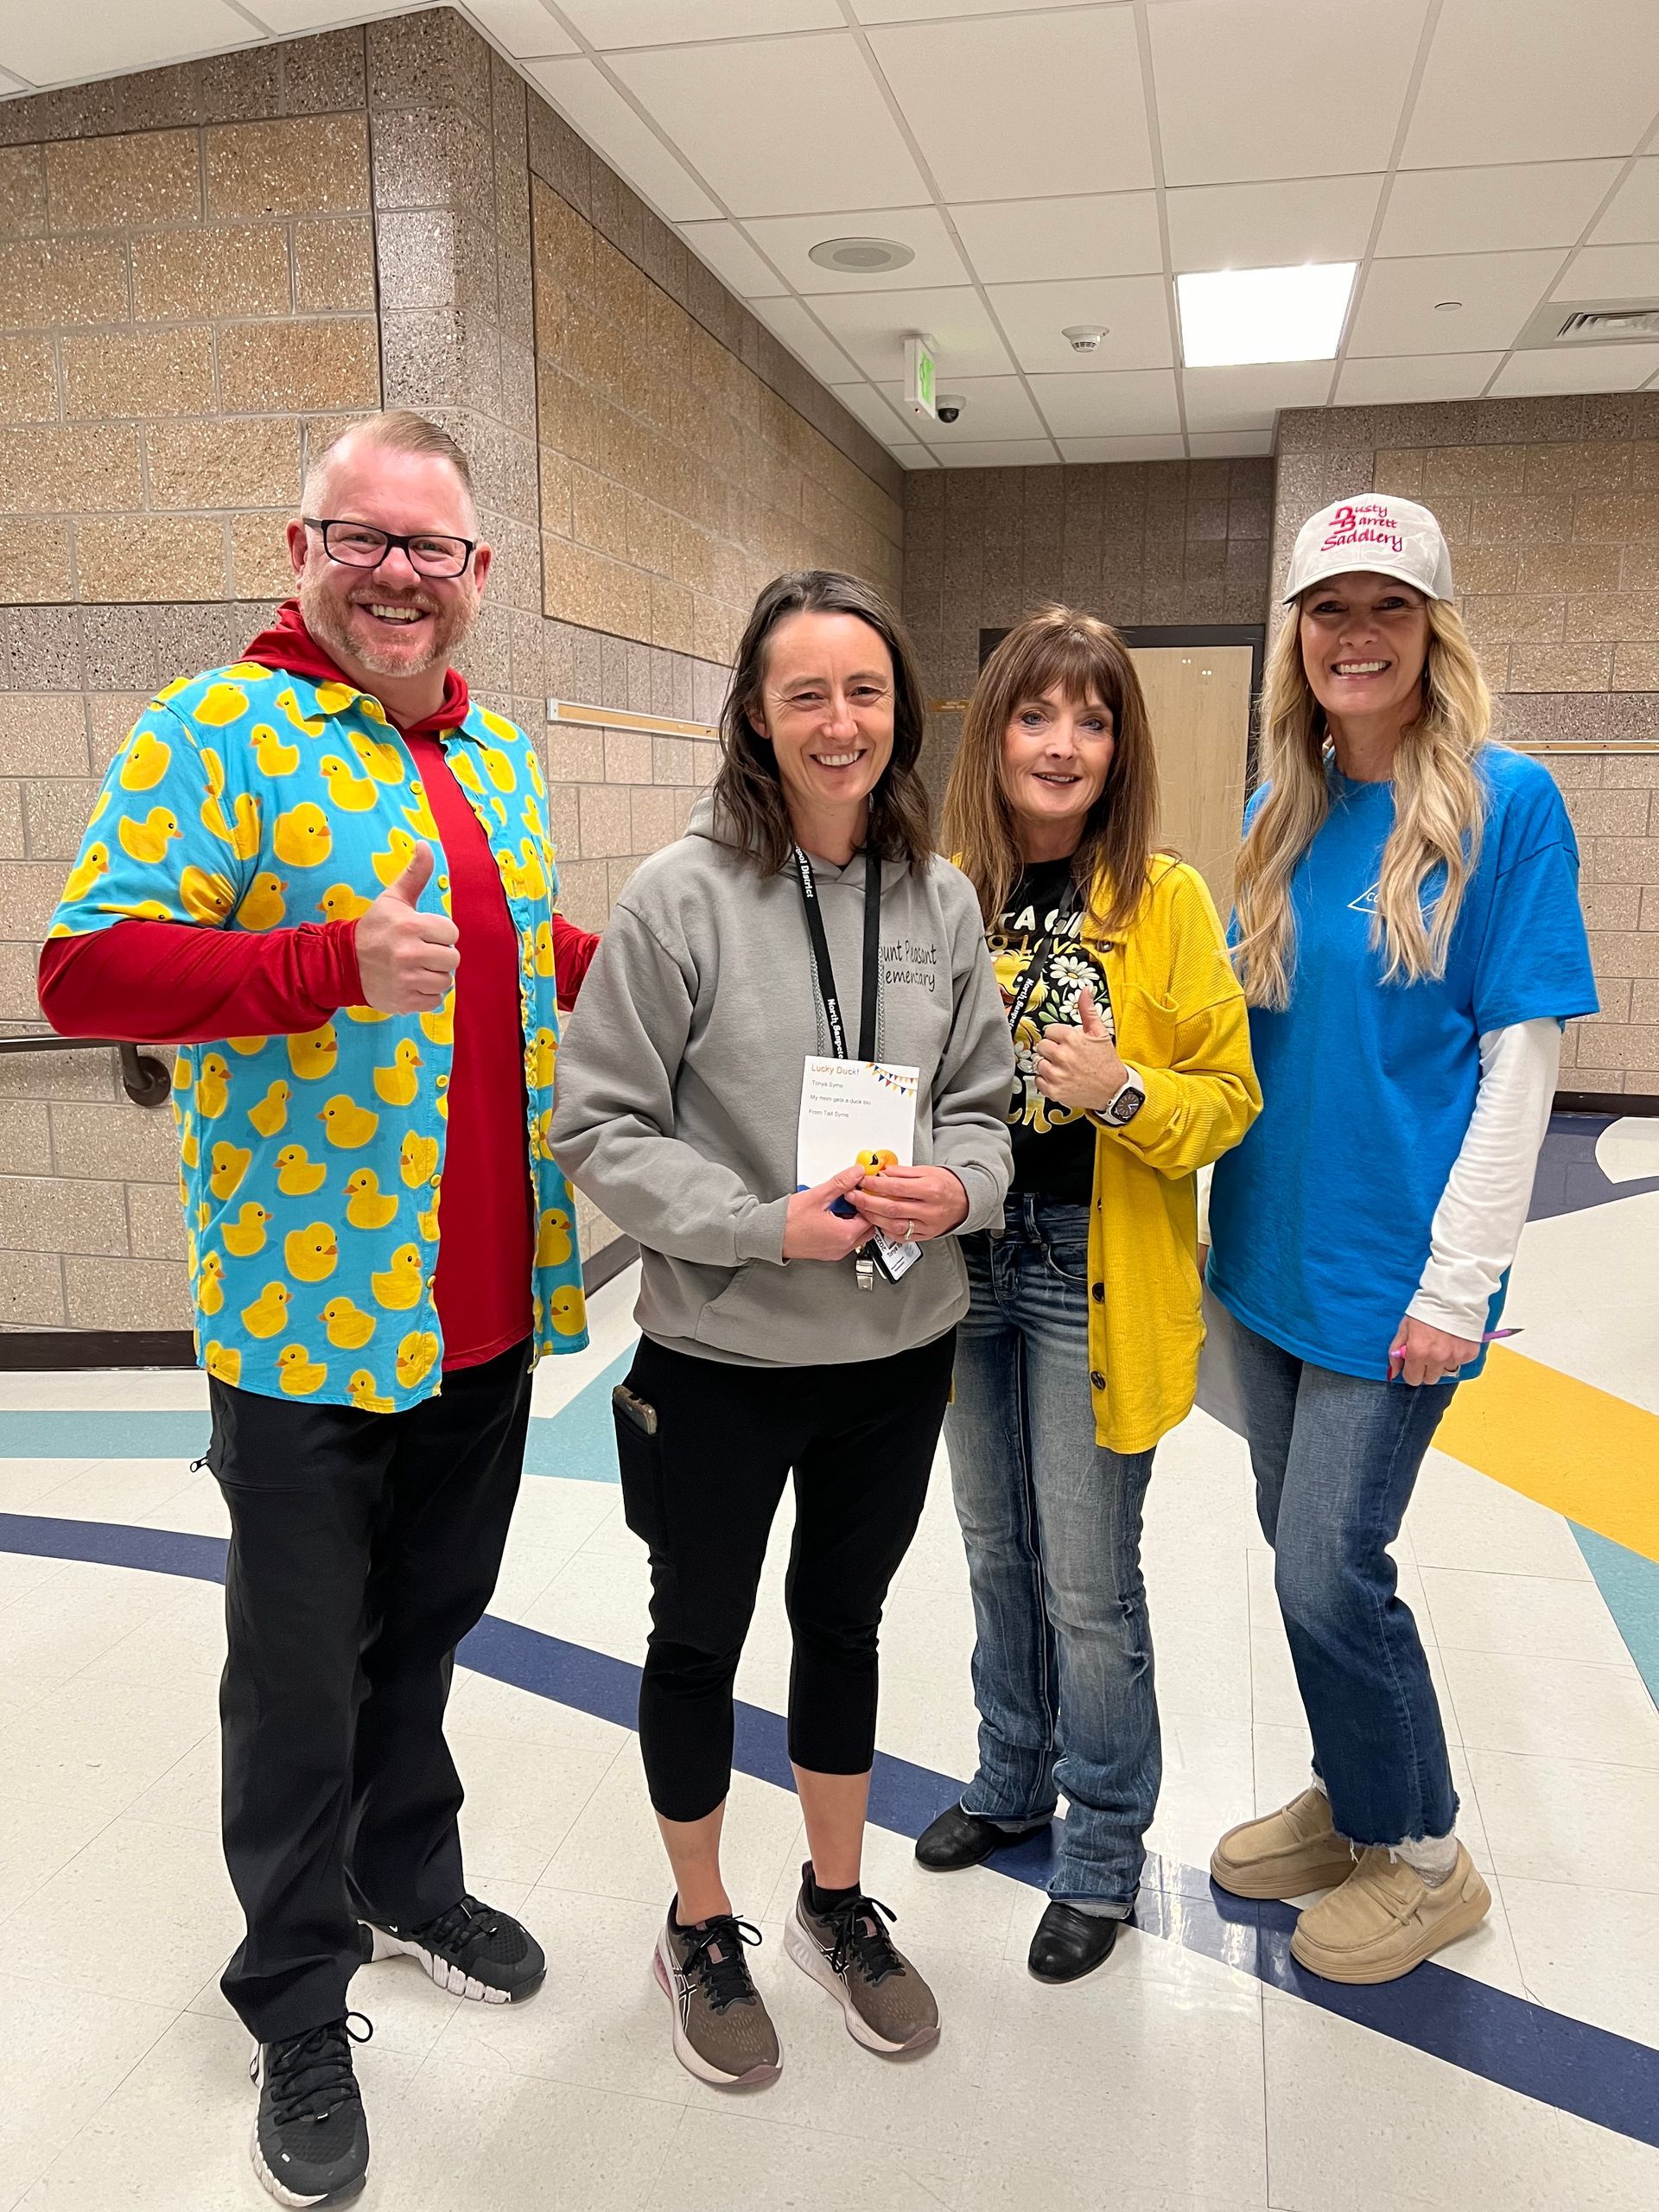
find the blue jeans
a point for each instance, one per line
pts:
(1336, 1460)
(1063, 1655)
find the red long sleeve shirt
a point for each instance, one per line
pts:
(170, 981)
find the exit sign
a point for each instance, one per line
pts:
(918, 377)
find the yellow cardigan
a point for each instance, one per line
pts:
(1182, 1027)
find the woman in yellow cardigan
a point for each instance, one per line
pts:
(1080, 1344)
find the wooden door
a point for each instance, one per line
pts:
(1198, 697)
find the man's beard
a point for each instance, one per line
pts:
(325, 619)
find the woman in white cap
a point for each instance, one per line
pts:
(1410, 939)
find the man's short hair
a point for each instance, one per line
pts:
(399, 430)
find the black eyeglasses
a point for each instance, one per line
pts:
(359, 545)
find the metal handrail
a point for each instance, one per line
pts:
(146, 1080)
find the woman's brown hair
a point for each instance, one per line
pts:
(748, 793)
(1086, 660)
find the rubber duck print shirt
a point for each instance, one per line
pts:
(312, 1165)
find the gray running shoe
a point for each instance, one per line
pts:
(723, 2033)
(888, 2006)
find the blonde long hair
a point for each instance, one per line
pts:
(1438, 805)
(1085, 659)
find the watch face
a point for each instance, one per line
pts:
(1126, 1105)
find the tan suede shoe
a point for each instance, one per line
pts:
(1385, 1919)
(1285, 1854)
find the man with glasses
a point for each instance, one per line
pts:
(324, 871)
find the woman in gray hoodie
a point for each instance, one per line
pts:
(805, 916)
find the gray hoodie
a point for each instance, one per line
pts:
(679, 1091)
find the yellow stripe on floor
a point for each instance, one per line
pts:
(1578, 1450)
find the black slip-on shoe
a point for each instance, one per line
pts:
(1069, 1944)
(471, 1950)
(956, 1839)
(310, 2138)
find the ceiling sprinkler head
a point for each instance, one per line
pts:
(1084, 337)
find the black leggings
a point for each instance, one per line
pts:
(702, 1490)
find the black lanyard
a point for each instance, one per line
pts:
(822, 965)
(1028, 981)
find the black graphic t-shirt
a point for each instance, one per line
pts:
(1053, 1145)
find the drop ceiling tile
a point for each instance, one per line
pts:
(1414, 377)
(1576, 368)
(1001, 453)
(1531, 81)
(1271, 226)
(1018, 106)
(61, 46)
(1633, 218)
(908, 11)
(1099, 449)
(914, 456)
(733, 259)
(1093, 234)
(873, 326)
(787, 239)
(609, 24)
(1270, 88)
(287, 17)
(522, 27)
(1131, 402)
(592, 106)
(1228, 445)
(1397, 308)
(864, 403)
(778, 126)
(794, 324)
(1489, 210)
(1134, 310)
(1611, 272)
(998, 407)
(1248, 397)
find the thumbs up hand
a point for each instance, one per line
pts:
(407, 959)
(1079, 1066)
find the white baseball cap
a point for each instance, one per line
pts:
(1389, 537)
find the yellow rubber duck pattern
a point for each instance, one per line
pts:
(312, 1165)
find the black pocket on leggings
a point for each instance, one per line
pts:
(639, 1456)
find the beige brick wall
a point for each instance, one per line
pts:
(1551, 508)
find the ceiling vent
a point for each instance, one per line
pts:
(1591, 322)
(1621, 322)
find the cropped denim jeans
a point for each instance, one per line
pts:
(1336, 1459)
(1063, 1675)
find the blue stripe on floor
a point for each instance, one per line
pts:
(1609, 2080)
(1630, 1585)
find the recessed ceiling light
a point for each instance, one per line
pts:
(1235, 315)
(862, 256)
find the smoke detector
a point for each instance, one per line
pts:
(1084, 337)
(862, 256)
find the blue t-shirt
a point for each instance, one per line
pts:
(1320, 1219)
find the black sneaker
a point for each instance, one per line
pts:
(310, 2139)
(471, 1950)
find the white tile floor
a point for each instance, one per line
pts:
(1167, 2083)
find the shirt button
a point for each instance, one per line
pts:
(1096, 1380)
(1097, 1292)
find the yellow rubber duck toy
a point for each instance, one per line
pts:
(263, 907)
(533, 875)
(303, 837)
(401, 1284)
(542, 1134)
(499, 770)
(190, 1149)
(246, 1234)
(570, 1311)
(349, 1327)
(205, 895)
(545, 962)
(300, 1375)
(148, 840)
(366, 1206)
(348, 1124)
(312, 1054)
(553, 1240)
(297, 1175)
(311, 1254)
(230, 1164)
(144, 762)
(541, 1060)
(366, 1394)
(398, 1084)
(414, 1356)
(213, 1089)
(272, 755)
(210, 1283)
(417, 1159)
(391, 864)
(220, 1360)
(353, 794)
(268, 1314)
(93, 863)
(339, 903)
(270, 1114)
(381, 760)
(218, 704)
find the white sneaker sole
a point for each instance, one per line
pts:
(798, 1943)
(272, 2187)
(447, 1977)
(662, 1966)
